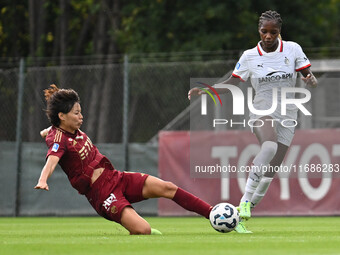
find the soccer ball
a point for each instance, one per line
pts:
(224, 217)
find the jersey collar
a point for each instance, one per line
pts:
(262, 52)
(66, 132)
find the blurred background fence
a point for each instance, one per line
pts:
(152, 88)
(157, 94)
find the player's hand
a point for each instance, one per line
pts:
(43, 133)
(42, 185)
(310, 81)
(194, 92)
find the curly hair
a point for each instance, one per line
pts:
(270, 15)
(59, 100)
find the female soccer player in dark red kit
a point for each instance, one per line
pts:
(110, 192)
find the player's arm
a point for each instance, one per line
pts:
(43, 133)
(309, 78)
(46, 172)
(231, 80)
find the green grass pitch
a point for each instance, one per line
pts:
(191, 235)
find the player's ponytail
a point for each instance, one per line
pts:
(50, 91)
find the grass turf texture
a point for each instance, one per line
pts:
(291, 235)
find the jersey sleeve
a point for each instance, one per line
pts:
(56, 144)
(301, 61)
(241, 70)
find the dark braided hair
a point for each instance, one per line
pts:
(270, 15)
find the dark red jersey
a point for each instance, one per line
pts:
(78, 156)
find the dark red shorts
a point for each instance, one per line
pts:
(114, 190)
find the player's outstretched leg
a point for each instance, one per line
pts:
(155, 187)
(192, 203)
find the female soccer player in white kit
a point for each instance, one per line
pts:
(273, 63)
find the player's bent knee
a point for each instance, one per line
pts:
(134, 223)
(143, 230)
(269, 148)
(170, 186)
(170, 189)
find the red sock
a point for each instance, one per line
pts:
(192, 203)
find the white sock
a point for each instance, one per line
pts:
(251, 185)
(266, 154)
(260, 190)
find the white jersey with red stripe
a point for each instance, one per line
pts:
(275, 69)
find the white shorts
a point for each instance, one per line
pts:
(284, 124)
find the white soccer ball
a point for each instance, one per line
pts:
(224, 217)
